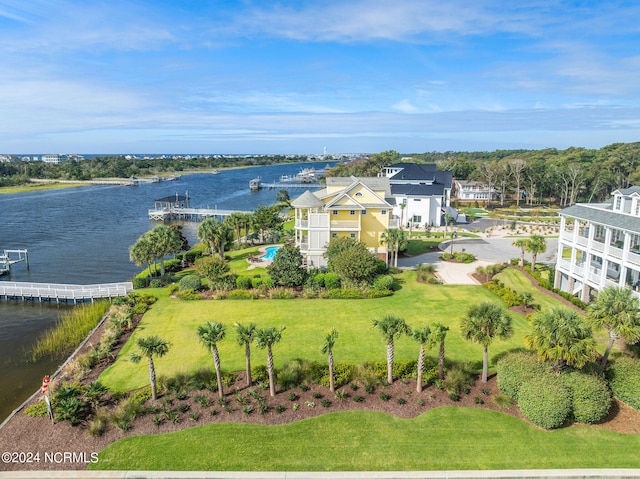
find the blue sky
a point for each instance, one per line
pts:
(195, 76)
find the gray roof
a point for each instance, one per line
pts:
(603, 215)
(414, 172)
(628, 191)
(418, 190)
(307, 200)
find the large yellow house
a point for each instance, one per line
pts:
(355, 207)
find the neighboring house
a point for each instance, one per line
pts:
(474, 191)
(599, 245)
(355, 207)
(422, 193)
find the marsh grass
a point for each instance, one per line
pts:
(69, 331)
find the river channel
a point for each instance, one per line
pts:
(82, 235)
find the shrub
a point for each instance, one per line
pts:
(283, 293)
(173, 288)
(342, 374)
(383, 282)
(318, 280)
(191, 281)
(139, 283)
(514, 369)
(37, 410)
(256, 282)
(71, 409)
(545, 401)
(98, 425)
(243, 282)
(590, 396)
(624, 379)
(331, 281)
(188, 295)
(241, 294)
(155, 283)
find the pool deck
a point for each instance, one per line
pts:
(261, 263)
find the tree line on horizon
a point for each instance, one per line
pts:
(531, 176)
(563, 177)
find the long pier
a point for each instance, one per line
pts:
(286, 184)
(67, 293)
(189, 213)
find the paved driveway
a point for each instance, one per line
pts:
(487, 250)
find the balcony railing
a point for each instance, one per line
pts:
(345, 224)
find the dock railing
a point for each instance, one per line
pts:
(62, 292)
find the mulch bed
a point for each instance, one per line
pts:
(38, 435)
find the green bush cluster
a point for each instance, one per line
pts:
(332, 281)
(188, 295)
(459, 256)
(514, 369)
(508, 295)
(623, 374)
(545, 401)
(190, 281)
(590, 396)
(243, 282)
(383, 282)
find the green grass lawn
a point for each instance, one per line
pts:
(447, 438)
(306, 321)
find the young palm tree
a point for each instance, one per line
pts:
(437, 337)
(561, 336)
(391, 326)
(327, 348)
(266, 338)
(522, 244)
(536, 244)
(616, 310)
(216, 233)
(151, 346)
(210, 335)
(245, 336)
(482, 324)
(422, 336)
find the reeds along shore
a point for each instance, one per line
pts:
(70, 330)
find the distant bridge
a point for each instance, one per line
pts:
(67, 293)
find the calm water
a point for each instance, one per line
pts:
(82, 235)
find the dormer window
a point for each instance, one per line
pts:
(618, 205)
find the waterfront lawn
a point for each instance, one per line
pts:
(306, 321)
(446, 438)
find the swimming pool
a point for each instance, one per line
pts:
(271, 253)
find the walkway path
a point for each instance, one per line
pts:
(488, 250)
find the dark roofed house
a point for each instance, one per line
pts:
(424, 191)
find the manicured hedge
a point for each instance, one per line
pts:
(590, 396)
(545, 401)
(383, 281)
(514, 369)
(623, 374)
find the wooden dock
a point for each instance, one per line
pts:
(195, 214)
(62, 293)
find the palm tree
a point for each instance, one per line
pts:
(216, 233)
(482, 324)
(151, 346)
(266, 338)
(447, 219)
(245, 336)
(210, 335)
(437, 337)
(395, 239)
(561, 336)
(140, 252)
(163, 241)
(422, 337)
(391, 326)
(522, 244)
(235, 221)
(536, 244)
(327, 348)
(616, 310)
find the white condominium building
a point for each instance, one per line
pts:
(599, 245)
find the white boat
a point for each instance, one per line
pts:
(215, 172)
